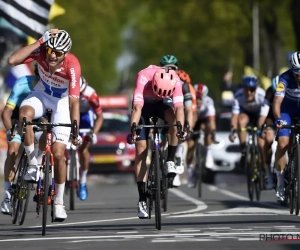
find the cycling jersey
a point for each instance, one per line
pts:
(89, 106)
(207, 108)
(89, 100)
(258, 105)
(22, 87)
(288, 88)
(143, 92)
(65, 81)
(53, 91)
(193, 95)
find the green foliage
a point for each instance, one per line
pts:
(207, 36)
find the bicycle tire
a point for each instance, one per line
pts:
(165, 181)
(199, 181)
(297, 180)
(15, 204)
(290, 185)
(157, 184)
(72, 168)
(259, 177)
(46, 192)
(149, 189)
(249, 173)
(24, 201)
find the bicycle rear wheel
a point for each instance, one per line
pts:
(258, 175)
(24, 198)
(297, 180)
(46, 192)
(72, 169)
(250, 172)
(165, 181)
(157, 184)
(199, 174)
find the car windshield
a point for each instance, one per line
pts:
(114, 122)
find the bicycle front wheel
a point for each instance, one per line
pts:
(157, 190)
(250, 172)
(46, 192)
(199, 163)
(72, 168)
(297, 180)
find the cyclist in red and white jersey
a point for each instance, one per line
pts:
(206, 121)
(58, 90)
(89, 108)
(153, 84)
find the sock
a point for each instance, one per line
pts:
(83, 176)
(191, 166)
(171, 153)
(59, 194)
(39, 157)
(179, 150)
(7, 186)
(268, 169)
(280, 180)
(141, 190)
(31, 154)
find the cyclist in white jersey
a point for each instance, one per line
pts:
(249, 105)
(89, 108)
(206, 121)
(58, 90)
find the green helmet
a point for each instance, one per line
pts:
(168, 59)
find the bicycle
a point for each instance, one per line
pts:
(200, 156)
(20, 189)
(156, 184)
(253, 164)
(73, 166)
(292, 185)
(45, 191)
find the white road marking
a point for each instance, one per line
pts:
(114, 236)
(200, 205)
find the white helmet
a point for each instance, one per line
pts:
(295, 60)
(83, 83)
(62, 42)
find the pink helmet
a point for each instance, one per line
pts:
(163, 82)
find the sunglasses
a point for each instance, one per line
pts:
(57, 53)
(250, 89)
(296, 71)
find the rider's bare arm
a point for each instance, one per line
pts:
(234, 121)
(98, 122)
(179, 114)
(21, 54)
(136, 113)
(276, 106)
(6, 117)
(212, 123)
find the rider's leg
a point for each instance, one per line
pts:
(243, 121)
(267, 152)
(31, 108)
(9, 173)
(280, 156)
(84, 156)
(170, 164)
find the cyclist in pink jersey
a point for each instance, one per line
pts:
(153, 84)
(58, 90)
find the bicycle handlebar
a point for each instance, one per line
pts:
(42, 126)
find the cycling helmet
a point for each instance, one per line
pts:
(249, 81)
(184, 76)
(275, 81)
(201, 90)
(168, 59)
(62, 42)
(163, 82)
(83, 83)
(295, 60)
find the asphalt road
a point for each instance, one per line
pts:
(223, 219)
